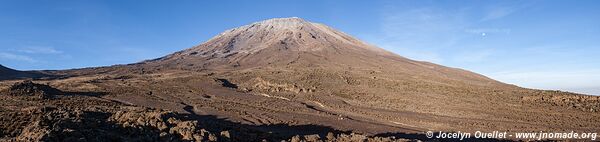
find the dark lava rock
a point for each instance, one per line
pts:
(30, 89)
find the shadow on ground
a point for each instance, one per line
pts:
(278, 132)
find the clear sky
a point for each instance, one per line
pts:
(537, 44)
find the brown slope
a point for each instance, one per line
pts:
(293, 72)
(296, 43)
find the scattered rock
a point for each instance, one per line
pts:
(226, 83)
(261, 84)
(565, 99)
(30, 89)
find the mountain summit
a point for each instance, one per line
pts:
(276, 41)
(294, 32)
(296, 43)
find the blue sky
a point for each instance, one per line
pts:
(538, 44)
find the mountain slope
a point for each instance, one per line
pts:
(285, 72)
(8, 73)
(292, 61)
(296, 43)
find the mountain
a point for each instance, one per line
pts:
(5, 70)
(296, 43)
(8, 73)
(317, 66)
(288, 76)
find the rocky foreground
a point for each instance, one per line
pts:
(37, 112)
